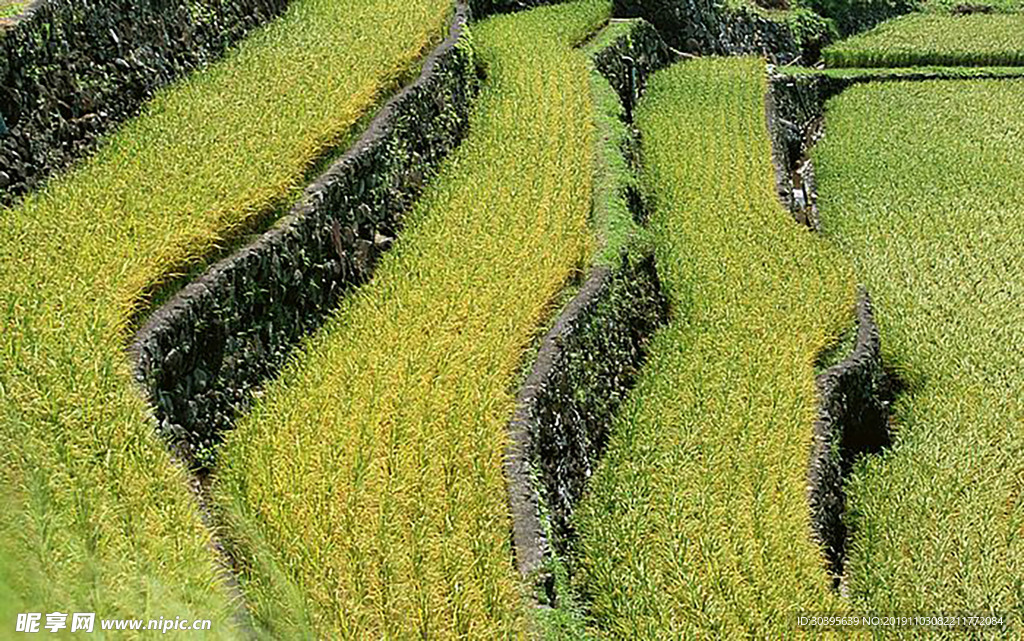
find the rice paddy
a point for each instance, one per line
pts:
(363, 494)
(99, 518)
(696, 524)
(936, 39)
(367, 484)
(930, 209)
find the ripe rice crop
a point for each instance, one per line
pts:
(366, 486)
(923, 39)
(98, 518)
(696, 523)
(976, 6)
(930, 207)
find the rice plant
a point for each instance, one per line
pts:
(975, 6)
(11, 8)
(696, 524)
(97, 517)
(874, 74)
(930, 207)
(367, 483)
(923, 39)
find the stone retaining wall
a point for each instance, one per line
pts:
(71, 70)
(200, 356)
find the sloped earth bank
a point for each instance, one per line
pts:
(705, 27)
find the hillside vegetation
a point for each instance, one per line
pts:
(366, 488)
(930, 208)
(696, 523)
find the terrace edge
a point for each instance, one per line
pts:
(707, 27)
(200, 355)
(853, 420)
(72, 71)
(586, 363)
(855, 394)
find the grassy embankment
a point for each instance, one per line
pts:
(697, 523)
(886, 74)
(930, 207)
(935, 39)
(97, 517)
(367, 484)
(614, 224)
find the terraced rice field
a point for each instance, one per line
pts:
(924, 39)
(98, 518)
(365, 495)
(909, 73)
(367, 485)
(953, 6)
(930, 209)
(696, 524)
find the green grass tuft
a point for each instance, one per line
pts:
(613, 221)
(11, 8)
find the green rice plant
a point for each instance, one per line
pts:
(873, 74)
(933, 39)
(9, 9)
(99, 518)
(972, 6)
(612, 220)
(368, 479)
(920, 187)
(696, 523)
